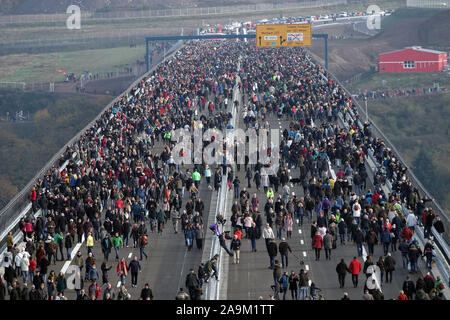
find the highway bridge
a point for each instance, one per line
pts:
(169, 259)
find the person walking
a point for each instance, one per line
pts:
(355, 268)
(328, 244)
(90, 243)
(236, 248)
(117, 243)
(61, 283)
(342, 270)
(277, 277)
(303, 284)
(135, 268)
(199, 235)
(389, 266)
(317, 244)
(104, 268)
(253, 235)
(284, 281)
(293, 285)
(143, 241)
(106, 245)
(372, 240)
(283, 248)
(380, 264)
(122, 270)
(268, 234)
(192, 284)
(272, 251)
(409, 288)
(386, 239)
(68, 243)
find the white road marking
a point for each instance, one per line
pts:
(73, 253)
(300, 231)
(307, 267)
(129, 256)
(298, 221)
(118, 284)
(301, 242)
(304, 253)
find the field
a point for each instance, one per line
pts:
(401, 81)
(41, 67)
(30, 52)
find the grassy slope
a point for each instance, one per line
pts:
(401, 81)
(40, 67)
(419, 123)
(26, 147)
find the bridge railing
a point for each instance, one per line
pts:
(20, 205)
(410, 173)
(442, 251)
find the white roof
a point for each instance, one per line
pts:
(417, 48)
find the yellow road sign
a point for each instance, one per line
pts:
(283, 35)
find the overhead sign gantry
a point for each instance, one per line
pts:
(283, 35)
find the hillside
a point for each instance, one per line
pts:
(419, 128)
(27, 146)
(406, 27)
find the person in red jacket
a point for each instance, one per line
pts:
(95, 291)
(317, 244)
(406, 234)
(355, 269)
(238, 233)
(122, 270)
(31, 269)
(402, 296)
(33, 198)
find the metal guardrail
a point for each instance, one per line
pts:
(412, 177)
(442, 250)
(437, 208)
(20, 206)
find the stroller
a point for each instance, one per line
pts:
(315, 293)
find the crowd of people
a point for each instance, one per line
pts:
(383, 94)
(341, 208)
(122, 188)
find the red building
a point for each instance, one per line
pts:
(412, 59)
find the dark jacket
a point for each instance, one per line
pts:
(342, 268)
(303, 280)
(235, 244)
(192, 280)
(283, 248)
(134, 266)
(272, 249)
(106, 245)
(146, 293)
(389, 263)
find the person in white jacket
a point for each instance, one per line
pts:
(356, 211)
(268, 234)
(24, 264)
(411, 221)
(18, 261)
